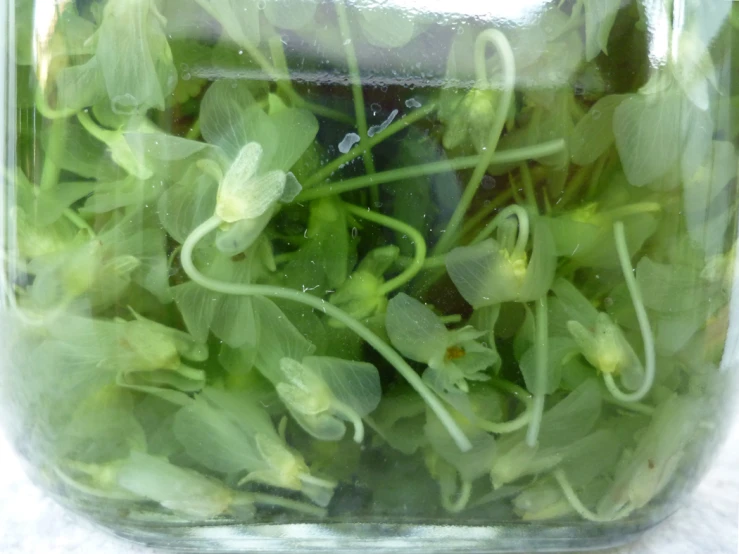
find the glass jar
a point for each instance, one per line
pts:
(287, 274)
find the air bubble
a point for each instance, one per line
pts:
(261, 4)
(412, 103)
(186, 76)
(375, 107)
(383, 88)
(355, 232)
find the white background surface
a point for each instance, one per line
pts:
(31, 523)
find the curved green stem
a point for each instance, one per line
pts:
(522, 237)
(356, 81)
(486, 211)
(352, 416)
(541, 348)
(42, 106)
(442, 166)
(577, 504)
(330, 310)
(495, 37)
(327, 170)
(517, 423)
(644, 326)
(419, 243)
(455, 506)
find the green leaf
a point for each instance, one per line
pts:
(599, 18)
(414, 329)
(593, 134)
(668, 287)
(131, 191)
(656, 458)
(386, 27)
(278, 338)
(230, 119)
(296, 130)
(486, 273)
(178, 489)
(80, 86)
(692, 67)
(648, 132)
(356, 384)
(560, 352)
(572, 418)
(80, 152)
(142, 77)
(184, 206)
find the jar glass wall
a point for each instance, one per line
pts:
(328, 274)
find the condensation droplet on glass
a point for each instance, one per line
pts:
(595, 114)
(347, 42)
(305, 234)
(241, 52)
(488, 182)
(186, 76)
(412, 103)
(383, 88)
(375, 107)
(184, 67)
(378, 204)
(355, 232)
(261, 4)
(124, 104)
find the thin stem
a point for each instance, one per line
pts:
(55, 146)
(42, 106)
(632, 209)
(541, 349)
(463, 498)
(528, 187)
(515, 424)
(577, 504)
(496, 38)
(360, 148)
(486, 211)
(356, 81)
(441, 166)
(330, 310)
(272, 500)
(351, 415)
(419, 243)
(574, 186)
(641, 316)
(448, 319)
(194, 132)
(522, 237)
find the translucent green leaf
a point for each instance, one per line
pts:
(693, 67)
(399, 420)
(668, 287)
(648, 135)
(386, 27)
(572, 418)
(230, 119)
(471, 464)
(158, 146)
(141, 77)
(574, 304)
(560, 351)
(296, 130)
(279, 338)
(184, 206)
(80, 152)
(593, 134)
(599, 18)
(656, 458)
(214, 438)
(80, 86)
(181, 490)
(356, 384)
(131, 191)
(414, 329)
(290, 14)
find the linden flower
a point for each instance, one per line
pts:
(453, 356)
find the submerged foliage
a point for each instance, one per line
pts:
(520, 291)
